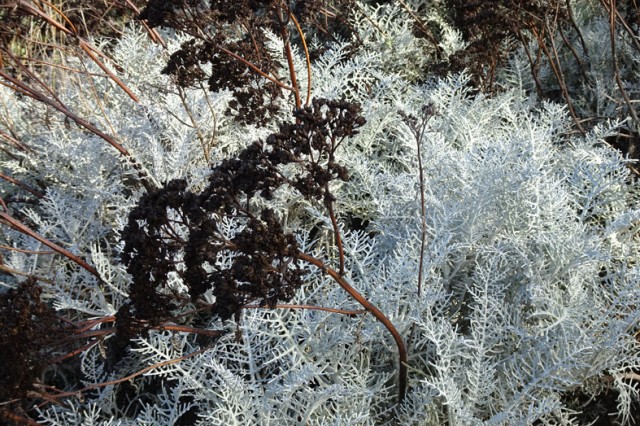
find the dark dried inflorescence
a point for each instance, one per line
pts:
(28, 329)
(235, 27)
(173, 13)
(174, 233)
(229, 38)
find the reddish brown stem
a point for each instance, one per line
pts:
(575, 26)
(254, 68)
(419, 135)
(89, 50)
(28, 8)
(380, 316)
(15, 142)
(21, 87)
(155, 36)
(21, 185)
(74, 352)
(87, 325)
(306, 55)
(186, 329)
(3, 247)
(74, 30)
(554, 62)
(12, 271)
(134, 375)
(289, 55)
(14, 223)
(616, 68)
(337, 236)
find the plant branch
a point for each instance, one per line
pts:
(306, 56)
(40, 97)
(134, 375)
(554, 62)
(19, 226)
(21, 185)
(614, 60)
(377, 313)
(289, 55)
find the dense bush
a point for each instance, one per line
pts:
(316, 212)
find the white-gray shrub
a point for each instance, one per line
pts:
(530, 276)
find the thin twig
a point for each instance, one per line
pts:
(21, 87)
(89, 50)
(533, 64)
(21, 185)
(614, 60)
(28, 8)
(3, 247)
(203, 144)
(289, 55)
(155, 36)
(19, 226)
(422, 27)
(11, 271)
(134, 375)
(577, 28)
(62, 15)
(337, 236)
(33, 76)
(306, 55)
(557, 71)
(254, 68)
(15, 142)
(580, 62)
(419, 135)
(625, 25)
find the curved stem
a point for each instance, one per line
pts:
(380, 316)
(287, 50)
(306, 55)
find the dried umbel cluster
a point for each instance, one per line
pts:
(28, 329)
(174, 233)
(230, 38)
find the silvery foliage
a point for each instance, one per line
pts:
(530, 279)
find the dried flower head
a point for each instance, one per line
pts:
(175, 233)
(28, 328)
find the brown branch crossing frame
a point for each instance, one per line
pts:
(380, 316)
